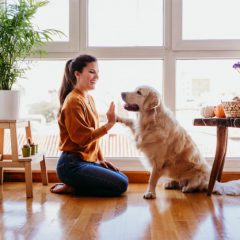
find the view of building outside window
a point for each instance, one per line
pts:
(206, 83)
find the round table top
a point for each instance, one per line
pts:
(221, 122)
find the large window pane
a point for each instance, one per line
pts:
(210, 19)
(125, 23)
(40, 100)
(39, 103)
(55, 15)
(201, 83)
(117, 76)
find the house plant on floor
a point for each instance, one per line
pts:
(19, 39)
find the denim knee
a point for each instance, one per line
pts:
(123, 185)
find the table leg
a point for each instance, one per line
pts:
(221, 148)
(224, 157)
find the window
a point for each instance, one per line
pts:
(61, 15)
(125, 23)
(206, 82)
(215, 31)
(59, 20)
(115, 76)
(163, 43)
(216, 24)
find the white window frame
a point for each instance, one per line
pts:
(72, 45)
(179, 44)
(144, 52)
(174, 47)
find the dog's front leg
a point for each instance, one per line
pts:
(127, 122)
(155, 174)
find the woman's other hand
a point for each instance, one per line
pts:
(107, 164)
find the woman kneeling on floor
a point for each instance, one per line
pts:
(81, 166)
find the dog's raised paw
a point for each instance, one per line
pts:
(149, 195)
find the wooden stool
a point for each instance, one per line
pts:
(15, 160)
(222, 125)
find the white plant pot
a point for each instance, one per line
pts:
(9, 104)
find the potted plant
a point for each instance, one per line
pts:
(19, 39)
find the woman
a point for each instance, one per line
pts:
(81, 166)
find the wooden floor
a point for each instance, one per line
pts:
(173, 215)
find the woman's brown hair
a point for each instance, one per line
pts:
(69, 79)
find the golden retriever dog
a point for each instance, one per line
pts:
(167, 145)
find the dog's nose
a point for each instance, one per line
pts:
(124, 94)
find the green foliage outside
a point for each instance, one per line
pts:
(48, 109)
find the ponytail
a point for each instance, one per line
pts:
(67, 85)
(69, 80)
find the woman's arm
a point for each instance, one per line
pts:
(79, 130)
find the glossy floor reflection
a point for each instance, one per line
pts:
(173, 215)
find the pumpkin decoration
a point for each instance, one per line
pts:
(219, 111)
(207, 111)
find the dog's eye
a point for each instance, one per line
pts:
(139, 93)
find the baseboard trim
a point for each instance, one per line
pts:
(133, 176)
(18, 176)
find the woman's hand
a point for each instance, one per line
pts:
(107, 164)
(111, 116)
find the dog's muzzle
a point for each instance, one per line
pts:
(127, 106)
(124, 94)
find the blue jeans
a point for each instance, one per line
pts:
(90, 179)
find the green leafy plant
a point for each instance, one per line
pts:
(20, 38)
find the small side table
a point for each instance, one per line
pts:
(15, 160)
(222, 125)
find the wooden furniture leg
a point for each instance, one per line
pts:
(28, 131)
(221, 148)
(28, 180)
(14, 142)
(1, 172)
(223, 160)
(44, 171)
(16, 160)
(1, 153)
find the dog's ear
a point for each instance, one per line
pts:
(152, 101)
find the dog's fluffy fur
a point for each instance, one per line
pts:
(167, 145)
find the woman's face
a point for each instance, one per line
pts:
(87, 79)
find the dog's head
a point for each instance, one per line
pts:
(142, 99)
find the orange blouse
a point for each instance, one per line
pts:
(79, 127)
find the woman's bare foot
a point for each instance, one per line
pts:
(61, 188)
